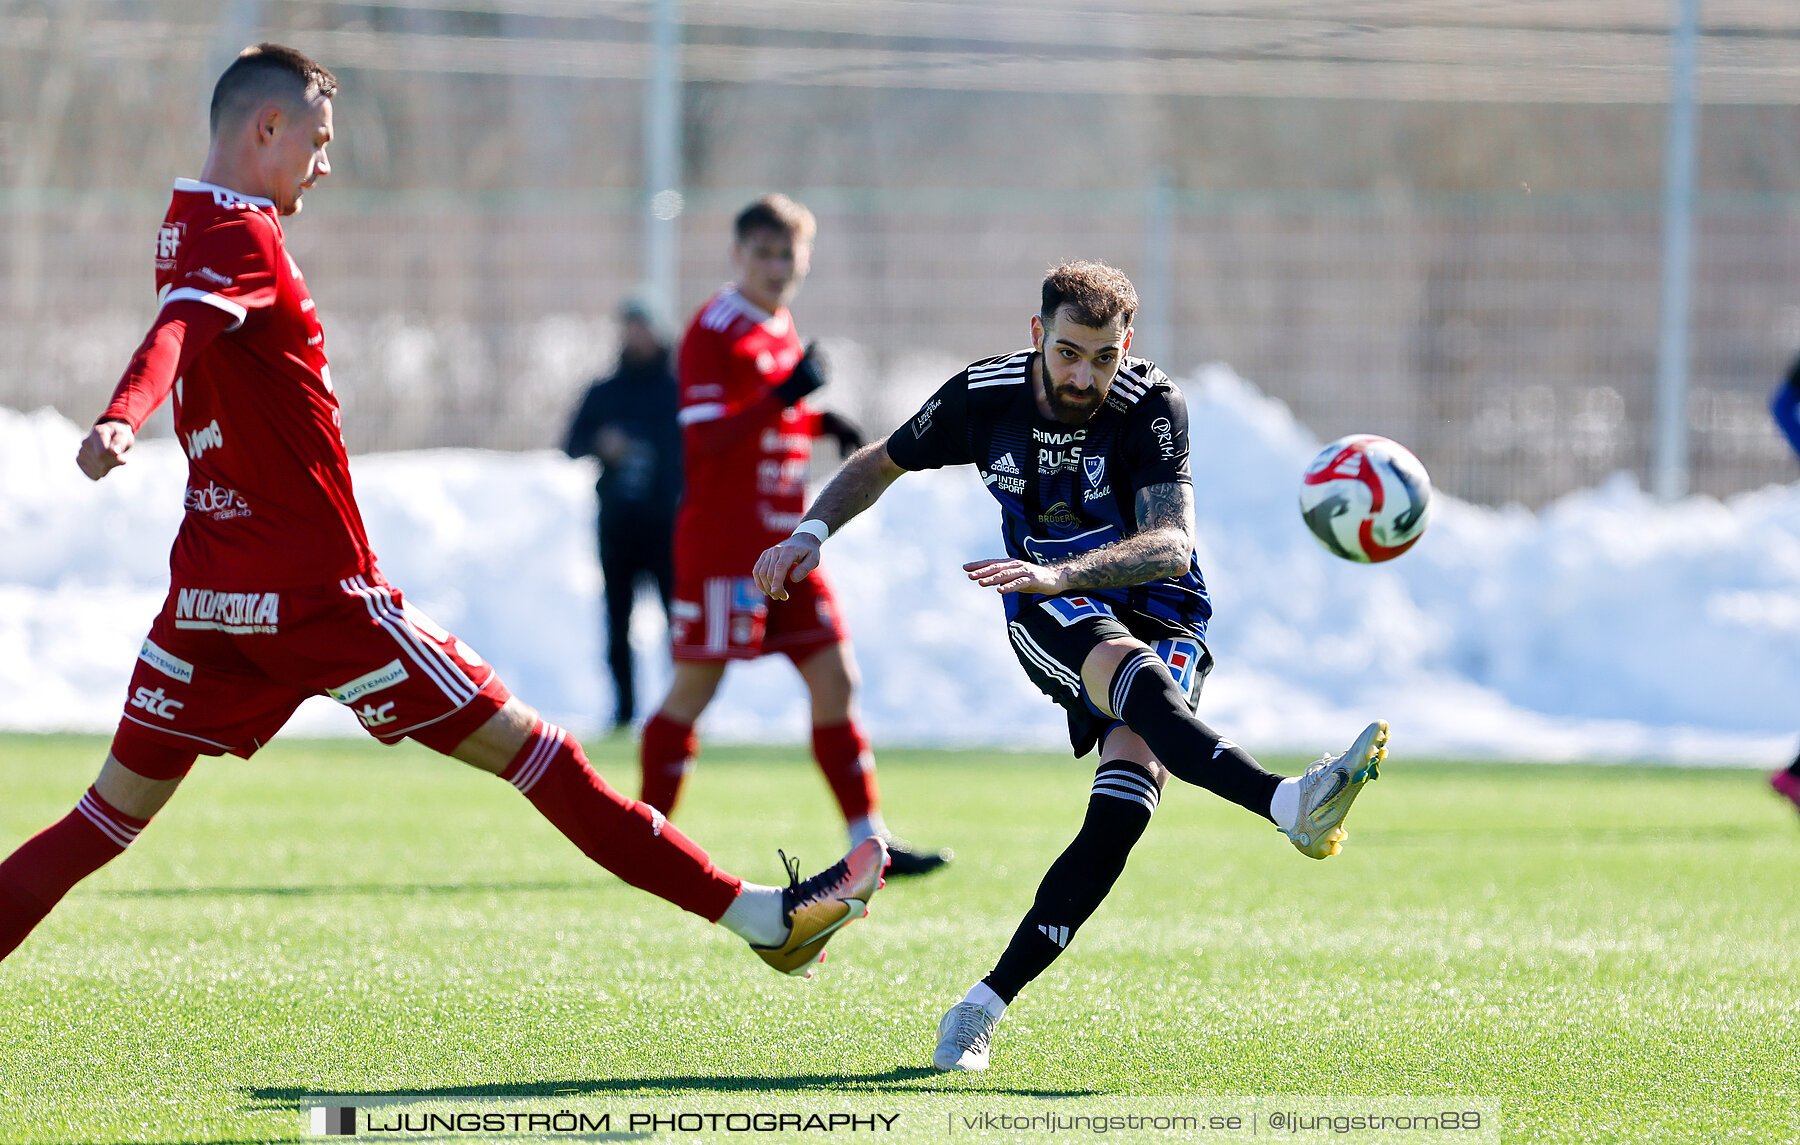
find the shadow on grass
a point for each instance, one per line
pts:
(326, 890)
(897, 1080)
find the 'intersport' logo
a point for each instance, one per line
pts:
(233, 612)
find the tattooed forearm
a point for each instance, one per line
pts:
(858, 484)
(1160, 549)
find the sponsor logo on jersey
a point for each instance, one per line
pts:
(158, 704)
(1004, 483)
(781, 478)
(1059, 514)
(1059, 460)
(373, 717)
(775, 441)
(1005, 464)
(168, 244)
(1049, 437)
(205, 438)
(233, 612)
(217, 502)
(922, 422)
(173, 667)
(1165, 437)
(385, 676)
(210, 275)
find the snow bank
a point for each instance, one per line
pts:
(1604, 627)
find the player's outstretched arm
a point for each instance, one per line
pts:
(103, 449)
(857, 484)
(1160, 549)
(182, 329)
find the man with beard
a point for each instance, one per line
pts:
(1086, 450)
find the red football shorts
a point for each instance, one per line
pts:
(222, 672)
(729, 618)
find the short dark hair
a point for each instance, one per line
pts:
(775, 212)
(1094, 293)
(265, 70)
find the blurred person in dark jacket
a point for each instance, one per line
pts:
(627, 420)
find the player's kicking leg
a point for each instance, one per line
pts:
(121, 802)
(1125, 679)
(788, 927)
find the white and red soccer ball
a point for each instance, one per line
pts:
(1366, 498)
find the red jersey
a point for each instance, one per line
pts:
(747, 456)
(269, 502)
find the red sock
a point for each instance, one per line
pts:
(35, 877)
(843, 754)
(665, 758)
(630, 839)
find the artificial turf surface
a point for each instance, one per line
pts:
(1609, 952)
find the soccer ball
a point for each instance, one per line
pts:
(1366, 498)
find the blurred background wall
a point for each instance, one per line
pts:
(1436, 220)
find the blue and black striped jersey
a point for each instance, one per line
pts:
(1066, 489)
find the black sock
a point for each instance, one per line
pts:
(1794, 767)
(1119, 809)
(1147, 698)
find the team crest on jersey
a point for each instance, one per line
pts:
(1094, 469)
(168, 244)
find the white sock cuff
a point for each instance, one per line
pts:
(755, 915)
(866, 827)
(983, 995)
(1284, 808)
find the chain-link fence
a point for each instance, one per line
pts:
(1418, 241)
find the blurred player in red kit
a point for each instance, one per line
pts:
(748, 442)
(274, 592)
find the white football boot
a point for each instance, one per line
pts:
(964, 1033)
(1329, 787)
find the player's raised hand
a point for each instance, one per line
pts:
(1009, 574)
(792, 560)
(104, 448)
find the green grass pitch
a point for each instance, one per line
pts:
(1613, 953)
